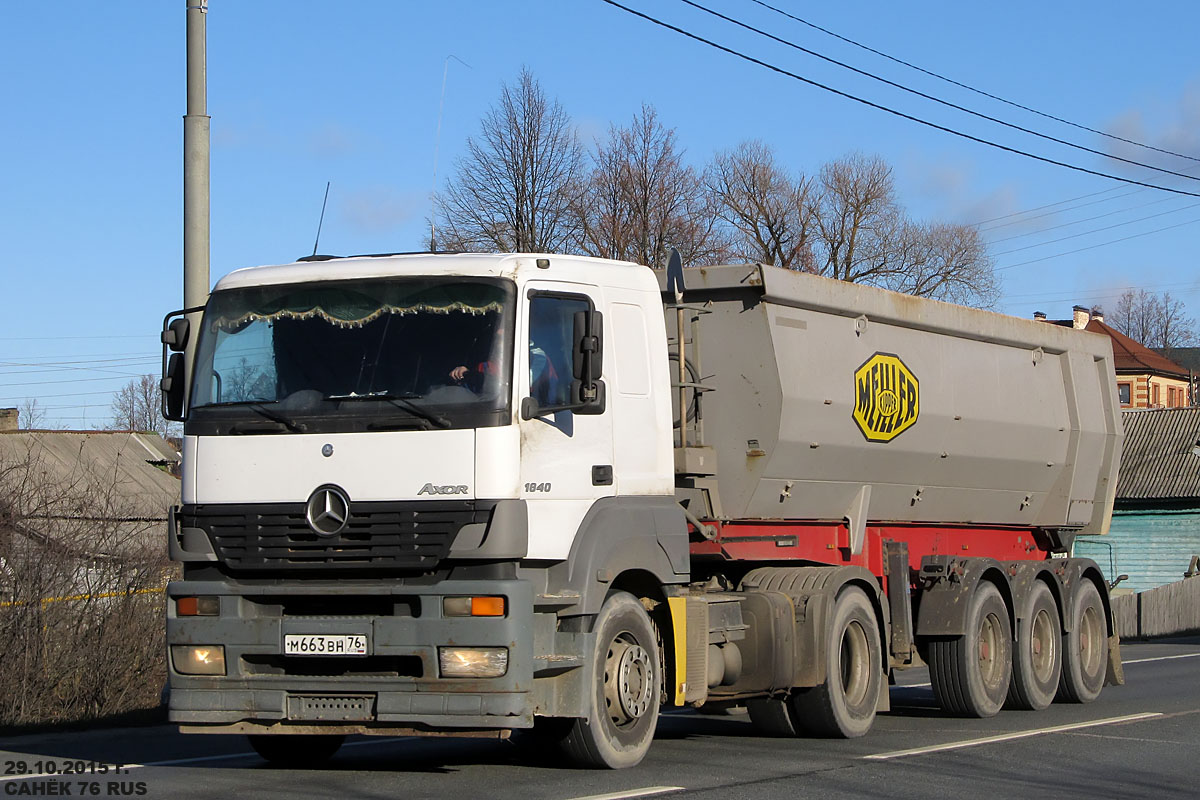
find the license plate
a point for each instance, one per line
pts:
(354, 644)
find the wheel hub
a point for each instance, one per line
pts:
(628, 685)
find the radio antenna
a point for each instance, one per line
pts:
(322, 220)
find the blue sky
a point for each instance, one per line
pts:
(302, 93)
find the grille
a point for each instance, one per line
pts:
(412, 535)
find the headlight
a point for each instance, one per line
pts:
(472, 662)
(205, 659)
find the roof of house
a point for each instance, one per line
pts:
(1160, 458)
(1187, 357)
(124, 461)
(1129, 356)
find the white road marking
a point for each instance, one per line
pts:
(1161, 658)
(178, 761)
(646, 792)
(1007, 737)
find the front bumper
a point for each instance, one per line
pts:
(395, 685)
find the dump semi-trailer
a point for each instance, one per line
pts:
(477, 494)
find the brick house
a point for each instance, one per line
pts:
(1145, 379)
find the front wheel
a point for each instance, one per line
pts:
(623, 704)
(295, 751)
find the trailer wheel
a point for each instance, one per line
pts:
(772, 716)
(297, 750)
(1085, 647)
(844, 705)
(1037, 656)
(623, 707)
(970, 673)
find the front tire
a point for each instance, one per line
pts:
(843, 707)
(970, 673)
(623, 705)
(295, 751)
(1085, 647)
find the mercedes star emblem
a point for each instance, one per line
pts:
(328, 511)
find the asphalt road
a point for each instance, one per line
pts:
(1137, 740)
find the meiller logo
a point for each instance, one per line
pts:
(429, 488)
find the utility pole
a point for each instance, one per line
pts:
(195, 172)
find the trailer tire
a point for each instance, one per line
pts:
(1037, 654)
(843, 707)
(1085, 647)
(771, 716)
(971, 673)
(302, 750)
(623, 706)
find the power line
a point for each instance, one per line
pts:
(68, 380)
(1081, 221)
(1102, 244)
(1052, 213)
(1051, 205)
(1098, 293)
(972, 88)
(15, 397)
(65, 338)
(935, 99)
(893, 111)
(1097, 230)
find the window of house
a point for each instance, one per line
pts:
(1170, 397)
(1154, 393)
(1123, 393)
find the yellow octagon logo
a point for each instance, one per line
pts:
(886, 398)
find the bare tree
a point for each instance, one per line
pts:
(769, 212)
(859, 224)
(136, 407)
(1155, 320)
(864, 236)
(515, 188)
(946, 262)
(642, 200)
(31, 414)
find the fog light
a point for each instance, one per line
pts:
(473, 607)
(202, 659)
(197, 606)
(472, 662)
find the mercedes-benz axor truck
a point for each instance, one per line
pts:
(479, 494)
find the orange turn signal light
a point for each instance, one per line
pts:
(487, 606)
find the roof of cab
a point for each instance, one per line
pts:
(577, 269)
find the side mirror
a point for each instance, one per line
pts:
(175, 334)
(587, 390)
(172, 388)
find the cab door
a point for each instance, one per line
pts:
(566, 458)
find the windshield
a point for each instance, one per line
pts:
(355, 355)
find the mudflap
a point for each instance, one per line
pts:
(1115, 675)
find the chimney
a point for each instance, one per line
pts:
(8, 419)
(1080, 317)
(1098, 313)
(1040, 316)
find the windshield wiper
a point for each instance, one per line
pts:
(259, 407)
(403, 402)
